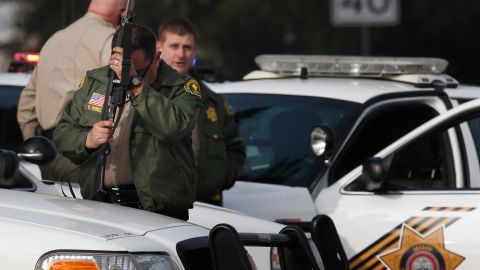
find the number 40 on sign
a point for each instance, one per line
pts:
(364, 12)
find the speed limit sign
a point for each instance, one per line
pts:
(364, 12)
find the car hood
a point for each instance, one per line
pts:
(208, 216)
(278, 203)
(86, 217)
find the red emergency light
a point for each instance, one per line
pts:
(27, 57)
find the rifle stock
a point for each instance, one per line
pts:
(115, 94)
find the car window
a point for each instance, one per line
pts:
(10, 135)
(424, 165)
(428, 162)
(383, 126)
(277, 130)
(474, 125)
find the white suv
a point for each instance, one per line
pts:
(91, 226)
(45, 232)
(309, 122)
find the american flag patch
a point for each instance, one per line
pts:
(96, 100)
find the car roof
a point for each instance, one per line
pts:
(349, 89)
(14, 78)
(345, 88)
(464, 91)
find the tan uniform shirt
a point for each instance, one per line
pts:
(118, 168)
(64, 59)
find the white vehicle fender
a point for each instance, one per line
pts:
(278, 203)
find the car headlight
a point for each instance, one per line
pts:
(105, 261)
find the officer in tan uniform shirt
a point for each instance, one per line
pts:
(64, 59)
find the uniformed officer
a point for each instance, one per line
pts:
(151, 146)
(66, 56)
(218, 147)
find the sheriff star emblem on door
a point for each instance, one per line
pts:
(421, 252)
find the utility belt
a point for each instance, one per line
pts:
(125, 195)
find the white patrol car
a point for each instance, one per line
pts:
(45, 232)
(82, 218)
(415, 204)
(309, 122)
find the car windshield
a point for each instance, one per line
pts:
(277, 128)
(10, 135)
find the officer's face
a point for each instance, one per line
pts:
(145, 67)
(178, 51)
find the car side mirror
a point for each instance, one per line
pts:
(38, 150)
(374, 173)
(322, 141)
(8, 168)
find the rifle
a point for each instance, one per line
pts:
(115, 94)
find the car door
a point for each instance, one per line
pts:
(383, 120)
(425, 211)
(460, 95)
(395, 113)
(280, 166)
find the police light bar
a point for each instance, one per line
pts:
(350, 65)
(26, 57)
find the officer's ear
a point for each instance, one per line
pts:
(156, 59)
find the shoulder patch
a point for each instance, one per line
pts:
(80, 84)
(96, 102)
(192, 87)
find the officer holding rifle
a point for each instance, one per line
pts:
(66, 56)
(150, 162)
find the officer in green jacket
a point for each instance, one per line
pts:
(219, 149)
(151, 144)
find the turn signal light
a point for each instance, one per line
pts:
(73, 265)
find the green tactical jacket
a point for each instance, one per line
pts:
(221, 149)
(160, 144)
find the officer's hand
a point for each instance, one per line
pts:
(116, 63)
(99, 134)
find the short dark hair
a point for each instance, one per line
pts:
(177, 26)
(143, 38)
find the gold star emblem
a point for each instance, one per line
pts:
(212, 114)
(192, 87)
(416, 251)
